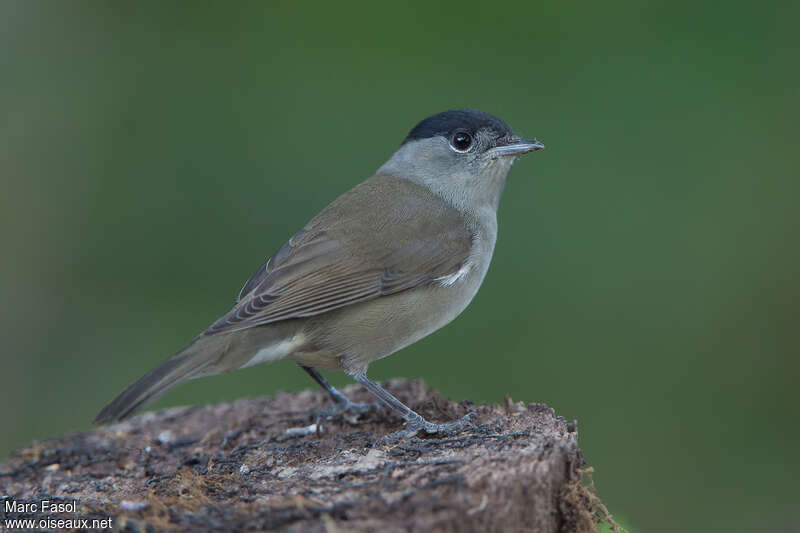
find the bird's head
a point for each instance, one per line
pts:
(463, 155)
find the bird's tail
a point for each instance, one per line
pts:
(196, 360)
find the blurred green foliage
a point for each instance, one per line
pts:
(646, 275)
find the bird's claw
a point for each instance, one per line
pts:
(349, 411)
(429, 428)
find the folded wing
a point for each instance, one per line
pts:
(336, 261)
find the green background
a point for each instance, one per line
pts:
(645, 279)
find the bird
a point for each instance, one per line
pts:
(387, 263)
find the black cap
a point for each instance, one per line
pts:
(448, 122)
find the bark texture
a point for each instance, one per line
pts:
(239, 466)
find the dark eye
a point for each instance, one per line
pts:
(461, 141)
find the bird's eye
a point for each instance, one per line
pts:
(461, 141)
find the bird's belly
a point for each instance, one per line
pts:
(362, 333)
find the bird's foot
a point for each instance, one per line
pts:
(422, 426)
(350, 412)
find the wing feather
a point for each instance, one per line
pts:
(326, 266)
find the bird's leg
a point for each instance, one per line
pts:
(414, 420)
(341, 403)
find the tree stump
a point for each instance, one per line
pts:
(246, 466)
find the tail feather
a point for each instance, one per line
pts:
(186, 365)
(205, 356)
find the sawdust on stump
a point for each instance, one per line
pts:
(234, 466)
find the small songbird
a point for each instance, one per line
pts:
(387, 263)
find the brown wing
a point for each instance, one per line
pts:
(336, 260)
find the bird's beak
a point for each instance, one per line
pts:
(517, 147)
